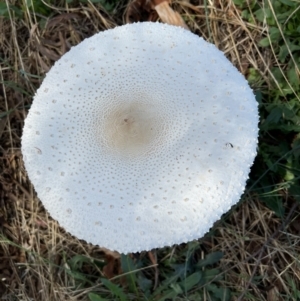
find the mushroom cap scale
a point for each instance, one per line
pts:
(141, 136)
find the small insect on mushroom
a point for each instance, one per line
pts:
(38, 150)
(136, 145)
(229, 145)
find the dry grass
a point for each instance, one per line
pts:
(261, 251)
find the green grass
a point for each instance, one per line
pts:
(186, 279)
(279, 147)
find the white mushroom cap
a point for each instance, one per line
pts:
(140, 137)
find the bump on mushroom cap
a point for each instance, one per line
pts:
(140, 137)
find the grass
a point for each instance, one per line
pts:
(252, 253)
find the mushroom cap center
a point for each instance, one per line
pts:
(134, 128)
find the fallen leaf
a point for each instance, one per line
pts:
(110, 270)
(113, 266)
(140, 11)
(151, 10)
(169, 16)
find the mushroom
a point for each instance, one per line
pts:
(141, 137)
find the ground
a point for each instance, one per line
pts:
(252, 253)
